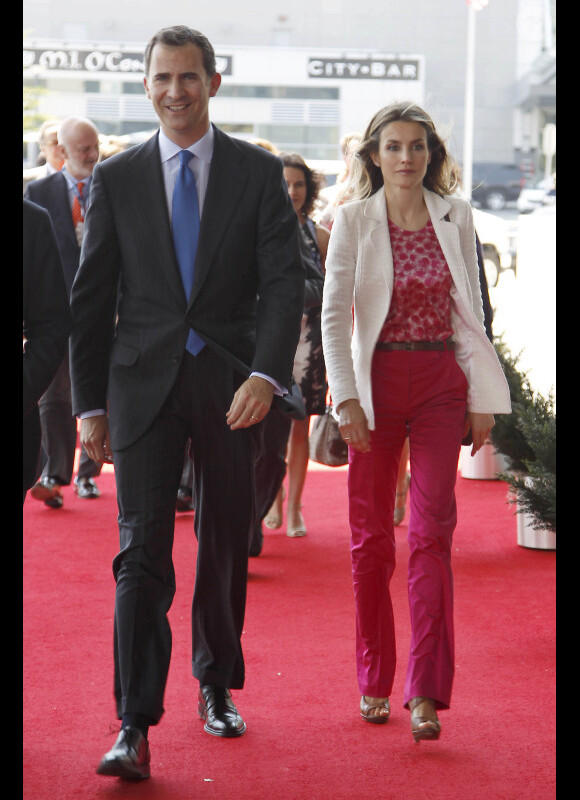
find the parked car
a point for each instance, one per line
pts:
(535, 196)
(499, 245)
(494, 185)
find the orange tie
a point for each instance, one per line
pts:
(77, 212)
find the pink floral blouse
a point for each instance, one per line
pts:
(420, 307)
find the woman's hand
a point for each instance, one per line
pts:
(481, 425)
(353, 425)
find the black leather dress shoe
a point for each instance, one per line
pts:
(128, 758)
(48, 490)
(86, 488)
(184, 500)
(217, 708)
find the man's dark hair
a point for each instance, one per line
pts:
(177, 36)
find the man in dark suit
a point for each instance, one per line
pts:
(156, 358)
(65, 196)
(45, 328)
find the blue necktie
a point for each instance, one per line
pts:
(185, 223)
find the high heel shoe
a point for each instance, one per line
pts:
(367, 709)
(297, 530)
(273, 518)
(424, 721)
(400, 510)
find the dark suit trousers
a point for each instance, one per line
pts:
(31, 438)
(148, 474)
(271, 461)
(59, 432)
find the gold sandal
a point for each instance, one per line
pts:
(366, 710)
(424, 721)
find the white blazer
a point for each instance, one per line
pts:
(359, 274)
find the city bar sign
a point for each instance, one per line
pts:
(385, 69)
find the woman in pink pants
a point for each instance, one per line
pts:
(416, 363)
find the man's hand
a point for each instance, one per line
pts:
(95, 438)
(251, 403)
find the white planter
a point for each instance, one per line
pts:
(530, 536)
(484, 465)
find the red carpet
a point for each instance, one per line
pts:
(305, 740)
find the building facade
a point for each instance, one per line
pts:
(310, 98)
(304, 75)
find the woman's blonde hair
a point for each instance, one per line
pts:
(441, 176)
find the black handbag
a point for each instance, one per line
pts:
(326, 445)
(291, 403)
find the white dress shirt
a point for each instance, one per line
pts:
(203, 152)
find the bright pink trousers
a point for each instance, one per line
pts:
(420, 394)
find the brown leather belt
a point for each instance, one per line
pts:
(448, 344)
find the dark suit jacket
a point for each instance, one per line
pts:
(45, 323)
(247, 295)
(51, 193)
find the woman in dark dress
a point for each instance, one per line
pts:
(309, 369)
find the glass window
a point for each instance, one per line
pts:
(311, 141)
(133, 88)
(102, 87)
(280, 92)
(237, 127)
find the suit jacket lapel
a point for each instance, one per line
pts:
(147, 180)
(377, 230)
(226, 183)
(448, 235)
(61, 211)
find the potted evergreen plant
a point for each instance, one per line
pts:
(527, 437)
(506, 447)
(506, 435)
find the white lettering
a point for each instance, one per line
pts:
(347, 68)
(316, 67)
(53, 59)
(94, 61)
(221, 64)
(111, 60)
